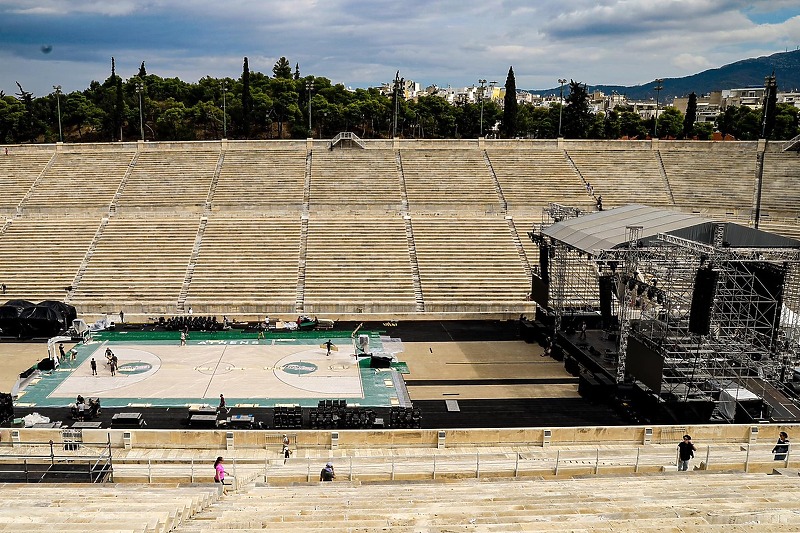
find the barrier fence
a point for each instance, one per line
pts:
(431, 464)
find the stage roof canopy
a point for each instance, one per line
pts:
(605, 230)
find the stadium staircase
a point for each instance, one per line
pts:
(574, 167)
(518, 244)
(497, 186)
(187, 280)
(301, 265)
(301, 260)
(112, 209)
(33, 185)
(86, 258)
(213, 186)
(758, 182)
(412, 254)
(307, 183)
(347, 136)
(664, 178)
(401, 176)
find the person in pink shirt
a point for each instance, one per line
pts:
(219, 471)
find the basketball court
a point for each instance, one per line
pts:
(155, 370)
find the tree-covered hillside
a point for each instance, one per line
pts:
(260, 106)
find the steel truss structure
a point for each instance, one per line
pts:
(752, 342)
(573, 278)
(753, 339)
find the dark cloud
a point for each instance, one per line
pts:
(362, 43)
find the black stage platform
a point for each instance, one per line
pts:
(485, 413)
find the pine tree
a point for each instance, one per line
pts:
(297, 71)
(142, 71)
(247, 100)
(691, 117)
(577, 115)
(27, 128)
(119, 108)
(511, 107)
(282, 70)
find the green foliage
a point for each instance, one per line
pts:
(282, 69)
(703, 131)
(742, 123)
(577, 116)
(119, 108)
(247, 102)
(12, 113)
(611, 126)
(631, 125)
(260, 106)
(510, 106)
(436, 117)
(670, 123)
(173, 124)
(691, 117)
(787, 122)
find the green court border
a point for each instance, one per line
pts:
(375, 391)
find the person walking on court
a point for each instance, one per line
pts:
(113, 367)
(222, 406)
(93, 364)
(781, 449)
(583, 330)
(121, 317)
(219, 471)
(183, 338)
(686, 451)
(61, 353)
(328, 345)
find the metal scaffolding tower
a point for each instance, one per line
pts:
(750, 341)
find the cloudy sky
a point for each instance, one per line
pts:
(362, 43)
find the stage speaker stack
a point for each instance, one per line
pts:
(287, 417)
(405, 418)
(544, 262)
(705, 287)
(605, 287)
(6, 408)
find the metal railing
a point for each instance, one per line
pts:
(40, 466)
(523, 463)
(791, 143)
(528, 462)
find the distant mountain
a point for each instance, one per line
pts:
(746, 73)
